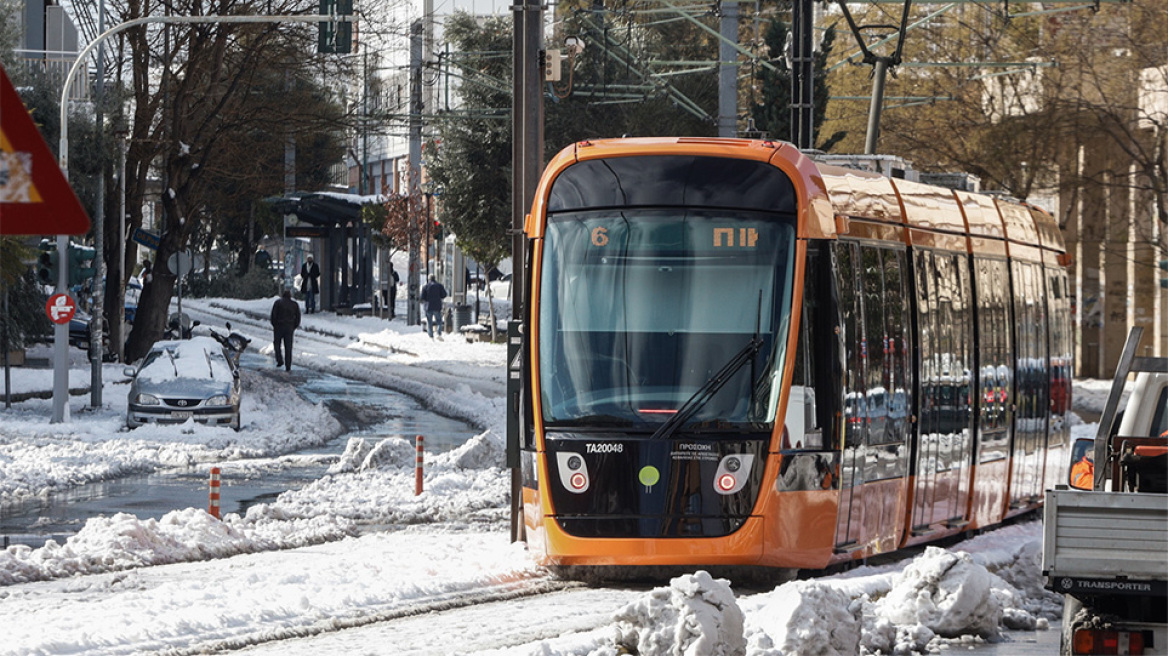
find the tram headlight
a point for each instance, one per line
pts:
(727, 482)
(732, 473)
(573, 472)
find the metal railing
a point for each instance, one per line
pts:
(54, 65)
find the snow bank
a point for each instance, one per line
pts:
(124, 542)
(38, 458)
(375, 484)
(938, 599)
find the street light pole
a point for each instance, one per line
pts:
(119, 335)
(61, 332)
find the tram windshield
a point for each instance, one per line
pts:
(641, 311)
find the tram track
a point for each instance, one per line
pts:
(436, 605)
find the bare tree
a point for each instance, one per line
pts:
(192, 89)
(1114, 82)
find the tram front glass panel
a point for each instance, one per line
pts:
(657, 273)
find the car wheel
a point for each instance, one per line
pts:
(238, 423)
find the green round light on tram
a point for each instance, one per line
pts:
(649, 475)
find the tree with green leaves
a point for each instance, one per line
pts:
(251, 164)
(614, 88)
(470, 160)
(22, 305)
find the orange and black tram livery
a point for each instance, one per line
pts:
(734, 356)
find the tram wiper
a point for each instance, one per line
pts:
(709, 389)
(595, 420)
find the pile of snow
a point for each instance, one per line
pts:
(376, 485)
(362, 455)
(125, 542)
(695, 614)
(805, 617)
(939, 599)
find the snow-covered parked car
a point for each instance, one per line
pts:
(184, 379)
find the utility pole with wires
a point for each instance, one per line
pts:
(803, 74)
(413, 313)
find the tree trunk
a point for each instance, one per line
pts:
(153, 307)
(154, 304)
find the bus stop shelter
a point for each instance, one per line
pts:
(344, 243)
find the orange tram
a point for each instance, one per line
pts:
(734, 356)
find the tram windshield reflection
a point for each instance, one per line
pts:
(639, 308)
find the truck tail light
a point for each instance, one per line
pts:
(1121, 643)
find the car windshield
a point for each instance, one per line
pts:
(199, 358)
(640, 309)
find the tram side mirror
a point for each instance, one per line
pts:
(1082, 472)
(128, 371)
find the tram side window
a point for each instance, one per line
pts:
(963, 344)
(993, 357)
(874, 347)
(816, 362)
(884, 353)
(927, 339)
(847, 259)
(945, 378)
(1060, 356)
(896, 321)
(1030, 320)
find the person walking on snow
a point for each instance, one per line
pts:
(432, 295)
(393, 282)
(309, 284)
(285, 320)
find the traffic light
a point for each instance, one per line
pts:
(47, 263)
(437, 230)
(82, 263)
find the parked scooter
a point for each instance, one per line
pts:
(234, 342)
(179, 327)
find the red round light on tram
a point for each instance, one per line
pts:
(726, 482)
(578, 481)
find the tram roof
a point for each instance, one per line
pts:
(866, 195)
(861, 194)
(1049, 233)
(853, 193)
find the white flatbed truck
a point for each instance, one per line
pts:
(1105, 533)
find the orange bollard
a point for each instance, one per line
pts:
(418, 466)
(214, 507)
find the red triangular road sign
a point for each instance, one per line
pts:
(35, 198)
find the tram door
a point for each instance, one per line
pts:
(945, 443)
(876, 392)
(1032, 379)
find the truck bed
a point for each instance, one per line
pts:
(1105, 536)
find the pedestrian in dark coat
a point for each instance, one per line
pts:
(285, 320)
(432, 295)
(309, 284)
(393, 282)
